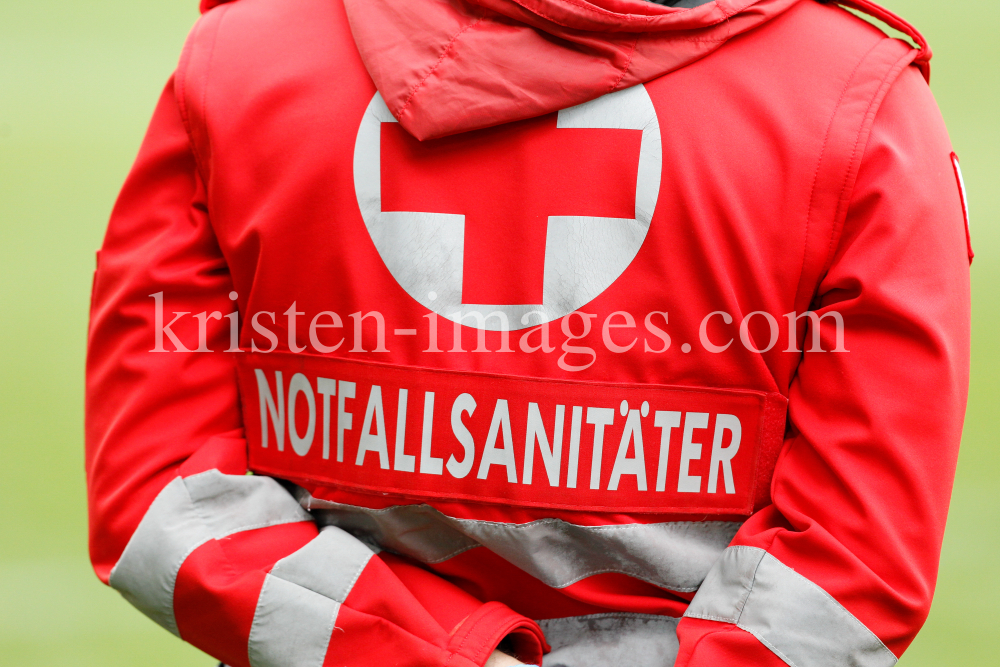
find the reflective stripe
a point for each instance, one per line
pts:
(328, 565)
(291, 626)
(675, 555)
(186, 514)
(602, 640)
(300, 600)
(796, 619)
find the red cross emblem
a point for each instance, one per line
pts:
(538, 215)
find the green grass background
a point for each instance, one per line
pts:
(78, 81)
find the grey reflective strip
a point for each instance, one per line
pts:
(603, 640)
(328, 565)
(291, 626)
(300, 599)
(796, 619)
(186, 514)
(418, 531)
(674, 555)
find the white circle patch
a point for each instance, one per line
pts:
(584, 255)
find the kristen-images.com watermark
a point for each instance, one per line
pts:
(491, 332)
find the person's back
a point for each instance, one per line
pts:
(525, 295)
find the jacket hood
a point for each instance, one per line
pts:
(449, 66)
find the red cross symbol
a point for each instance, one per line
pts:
(507, 181)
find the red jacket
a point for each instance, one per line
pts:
(512, 298)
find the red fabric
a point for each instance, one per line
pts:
(422, 180)
(596, 594)
(711, 643)
(448, 605)
(143, 431)
(167, 246)
(205, 5)
(433, 60)
(923, 60)
(217, 587)
(804, 164)
(872, 537)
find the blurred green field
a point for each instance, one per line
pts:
(78, 81)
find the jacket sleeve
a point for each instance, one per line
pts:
(840, 568)
(228, 561)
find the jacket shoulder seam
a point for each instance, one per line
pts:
(858, 152)
(184, 87)
(816, 174)
(843, 163)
